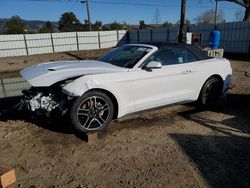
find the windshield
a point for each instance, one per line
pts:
(125, 56)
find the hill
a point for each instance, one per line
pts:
(33, 25)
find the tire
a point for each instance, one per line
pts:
(92, 112)
(210, 92)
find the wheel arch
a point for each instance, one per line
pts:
(213, 76)
(112, 97)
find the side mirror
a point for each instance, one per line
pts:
(153, 65)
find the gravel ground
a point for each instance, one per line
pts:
(179, 146)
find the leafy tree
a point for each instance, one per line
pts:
(245, 4)
(187, 23)
(15, 26)
(68, 22)
(116, 26)
(209, 16)
(142, 24)
(47, 28)
(168, 24)
(126, 26)
(97, 26)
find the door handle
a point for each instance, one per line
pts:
(186, 72)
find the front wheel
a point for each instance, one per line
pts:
(92, 112)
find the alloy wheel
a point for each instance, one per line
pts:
(93, 112)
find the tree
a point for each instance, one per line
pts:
(208, 17)
(97, 26)
(47, 28)
(126, 26)
(15, 26)
(245, 4)
(168, 24)
(116, 26)
(187, 23)
(68, 22)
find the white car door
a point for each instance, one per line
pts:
(167, 85)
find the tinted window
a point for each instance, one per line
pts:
(172, 56)
(125, 56)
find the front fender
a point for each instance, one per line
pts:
(78, 87)
(81, 85)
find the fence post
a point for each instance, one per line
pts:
(77, 41)
(138, 36)
(117, 32)
(52, 43)
(151, 35)
(26, 46)
(249, 46)
(167, 35)
(3, 88)
(99, 39)
(127, 37)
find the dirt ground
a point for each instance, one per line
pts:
(179, 146)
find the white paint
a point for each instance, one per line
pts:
(135, 89)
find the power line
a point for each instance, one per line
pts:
(127, 4)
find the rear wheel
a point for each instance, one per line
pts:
(211, 91)
(92, 112)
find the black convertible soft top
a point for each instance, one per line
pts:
(201, 55)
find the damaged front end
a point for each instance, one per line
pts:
(45, 100)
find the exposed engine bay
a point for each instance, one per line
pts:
(44, 100)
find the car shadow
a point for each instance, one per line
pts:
(222, 159)
(9, 112)
(236, 105)
(63, 125)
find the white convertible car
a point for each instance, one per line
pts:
(128, 79)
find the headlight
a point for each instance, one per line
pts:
(65, 82)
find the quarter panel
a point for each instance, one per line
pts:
(202, 70)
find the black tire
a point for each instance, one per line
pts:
(210, 92)
(92, 112)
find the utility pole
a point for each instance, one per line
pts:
(182, 21)
(216, 13)
(87, 5)
(88, 13)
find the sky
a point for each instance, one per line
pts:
(107, 12)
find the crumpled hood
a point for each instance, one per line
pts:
(46, 74)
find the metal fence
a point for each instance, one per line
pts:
(29, 44)
(235, 36)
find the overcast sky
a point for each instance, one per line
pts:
(110, 10)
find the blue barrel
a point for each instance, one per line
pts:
(214, 39)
